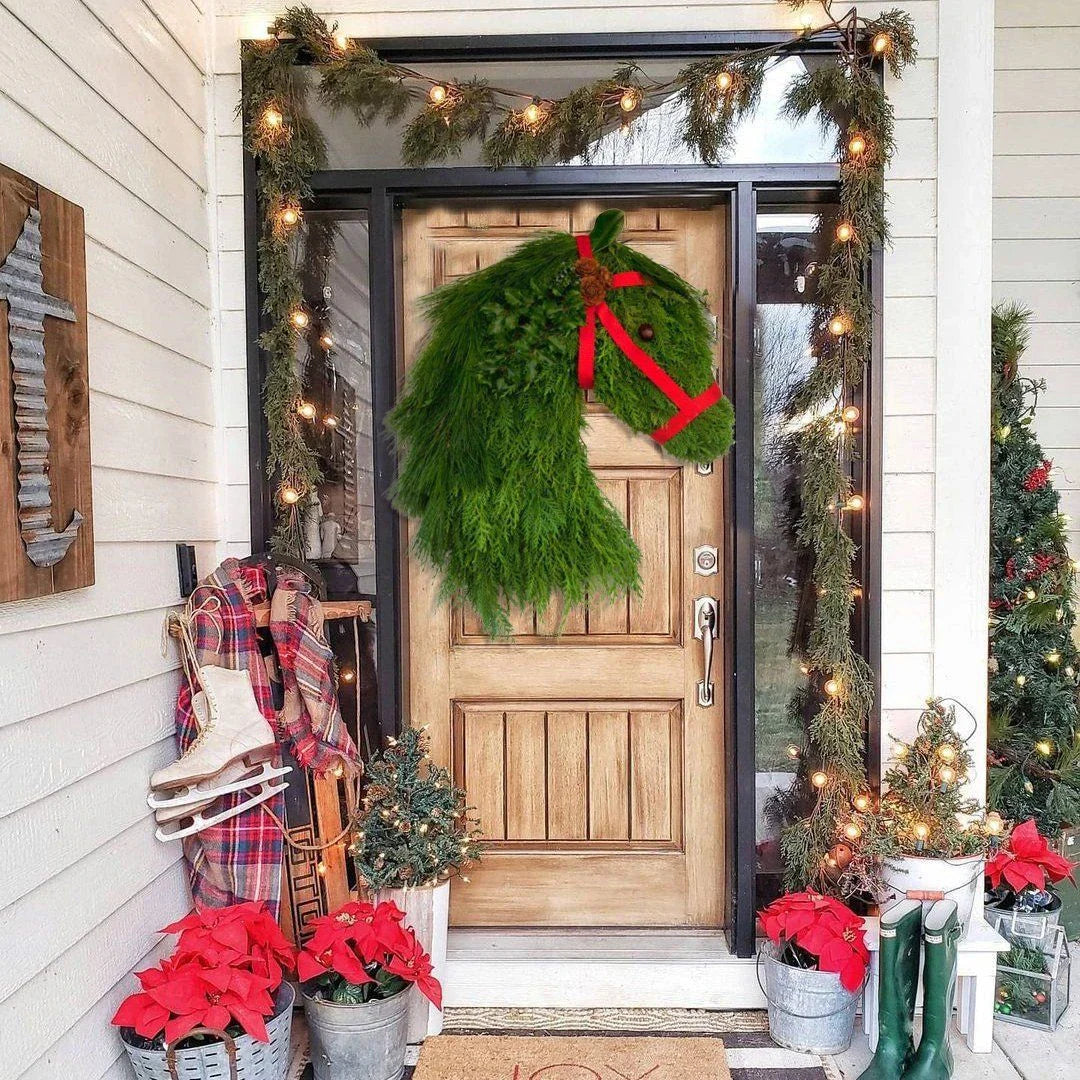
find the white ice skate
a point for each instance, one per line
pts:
(185, 821)
(232, 751)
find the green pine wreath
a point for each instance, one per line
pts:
(491, 420)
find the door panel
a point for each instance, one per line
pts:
(597, 777)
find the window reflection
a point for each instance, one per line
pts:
(789, 247)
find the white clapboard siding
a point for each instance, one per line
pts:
(1037, 212)
(106, 102)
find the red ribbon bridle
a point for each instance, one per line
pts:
(688, 407)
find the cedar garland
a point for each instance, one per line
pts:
(521, 128)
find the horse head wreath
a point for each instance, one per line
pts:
(491, 420)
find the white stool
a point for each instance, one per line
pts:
(976, 970)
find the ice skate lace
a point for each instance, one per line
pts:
(179, 625)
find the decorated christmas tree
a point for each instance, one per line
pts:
(1034, 758)
(415, 828)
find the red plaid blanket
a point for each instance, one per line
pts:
(240, 859)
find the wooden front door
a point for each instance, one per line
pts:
(597, 776)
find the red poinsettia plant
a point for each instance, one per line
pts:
(222, 974)
(363, 952)
(818, 932)
(1025, 862)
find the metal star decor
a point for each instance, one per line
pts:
(22, 286)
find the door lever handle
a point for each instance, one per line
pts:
(706, 629)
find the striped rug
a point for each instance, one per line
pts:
(751, 1054)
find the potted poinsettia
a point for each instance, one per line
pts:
(815, 963)
(357, 971)
(1021, 876)
(219, 996)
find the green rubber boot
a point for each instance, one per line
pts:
(941, 931)
(898, 962)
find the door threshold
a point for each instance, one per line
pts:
(597, 969)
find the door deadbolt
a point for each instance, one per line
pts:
(706, 560)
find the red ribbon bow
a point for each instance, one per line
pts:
(688, 407)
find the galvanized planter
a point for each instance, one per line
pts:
(350, 1042)
(808, 1010)
(959, 879)
(230, 1059)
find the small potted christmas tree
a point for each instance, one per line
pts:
(925, 830)
(414, 834)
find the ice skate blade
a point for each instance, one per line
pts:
(161, 800)
(188, 826)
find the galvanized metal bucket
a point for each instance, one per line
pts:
(808, 1010)
(350, 1042)
(917, 877)
(229, 1059)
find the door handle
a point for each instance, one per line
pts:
(706, 629)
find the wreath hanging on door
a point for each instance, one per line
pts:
(491, 420)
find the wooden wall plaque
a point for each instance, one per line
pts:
(46, 512)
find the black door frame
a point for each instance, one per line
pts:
(383, 193)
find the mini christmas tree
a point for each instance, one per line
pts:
(415, 828)
(924, 810)
(1034, 667)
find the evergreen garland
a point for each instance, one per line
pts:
(491, 420)
(415, 828)
(1034, 664)
(522, 128)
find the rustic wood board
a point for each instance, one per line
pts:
(63, 249)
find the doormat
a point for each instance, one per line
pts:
(558, 1057)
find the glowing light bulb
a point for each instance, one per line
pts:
(629, 101)
(724, 81)
(290, 496)
(326, 341)
(838, 326)
(1044, 747)
(901, 751)
(856, 145)
(994, 824)
(793, 752)
(300, 318)
(289, 216)
(272, 118)
(1053, 657)
(338, 771)
(855, 502)
(819, 780)
(330, 421)
(832, 687)
(947, 774)
(852, 831)
(306, 410)
(851, 413)
(321, 868)
(1070, 671)
(947, 752)
(437, 94)
(804, 668)
(347, 675)
(921, 830)
(341, 40)
(861, 803)
(1030, 594)
(882, 43)
(845, 232)
(533, 114)
(1004, 431)
(1021, 680)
